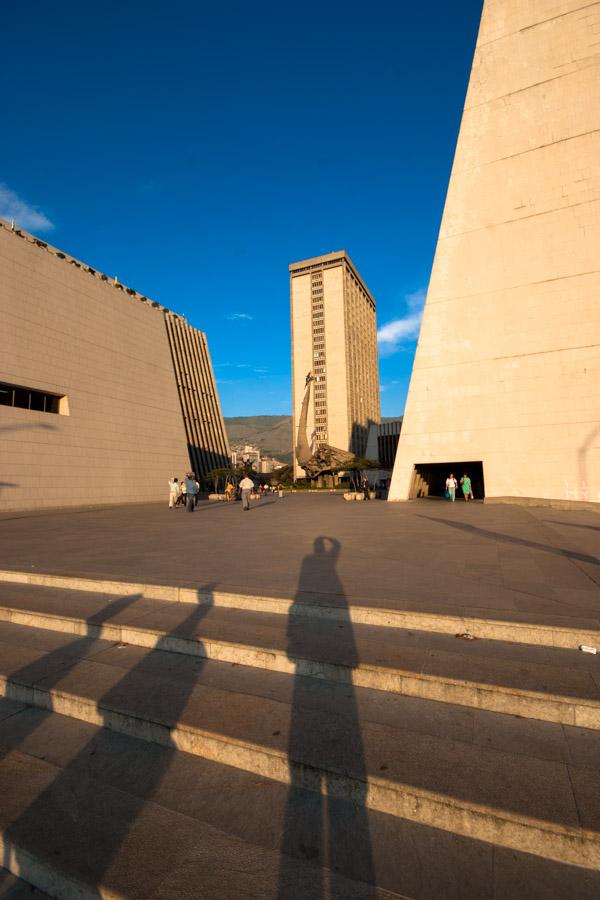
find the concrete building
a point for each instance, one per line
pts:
(243, 454)
(269, 464)
(334, 336)
(382, 442)
(104, 395)
(506, 379)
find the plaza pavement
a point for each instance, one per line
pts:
(317, 732)
(497, 561)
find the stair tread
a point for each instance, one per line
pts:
(14, 888)
(499, 664)
(135, 847)
(330, 727)
(577, 608)
(110, 796)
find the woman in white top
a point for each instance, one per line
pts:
(451, 485)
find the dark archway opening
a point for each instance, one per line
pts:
(429, 479)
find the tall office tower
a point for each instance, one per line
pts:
(506, 379)
(334, 336)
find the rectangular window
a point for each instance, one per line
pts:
(27, 398)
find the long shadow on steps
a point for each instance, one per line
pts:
(337, 842)
(53, 665)
(89, 855)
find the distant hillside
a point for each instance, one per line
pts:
(273, 434)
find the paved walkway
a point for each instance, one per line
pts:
(487, 560)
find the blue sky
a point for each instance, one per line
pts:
(195, 149)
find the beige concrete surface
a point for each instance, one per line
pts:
(568, 632)
(128, 846)
(507, 369)
(531, 681)
(231, 716)
(121, 435)
(13, 888)
(408, 859)
(487, 566)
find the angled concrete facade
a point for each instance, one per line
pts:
(104, 395)
(507, 369)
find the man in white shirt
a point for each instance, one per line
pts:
(246, 487)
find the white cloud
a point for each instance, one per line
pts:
(234, 316)
(25, 216)
(394, 334)
(231, 365)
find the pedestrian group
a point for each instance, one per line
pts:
(185, 492)
(452, 486)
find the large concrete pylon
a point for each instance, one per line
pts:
(507, 369)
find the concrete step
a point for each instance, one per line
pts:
(551, 684)
(14, 888)
(550, 630)
(86, 813)
(130, 817)
(521, 784)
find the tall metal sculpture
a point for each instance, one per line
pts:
(325, 458)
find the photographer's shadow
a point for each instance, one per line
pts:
(319, 827)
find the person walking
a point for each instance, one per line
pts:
(229, 491)
(465, 483)
(451, 485)
(191, 490)
(246, 487)
(173, 492)
(366, 488)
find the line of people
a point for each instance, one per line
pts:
(185, 492)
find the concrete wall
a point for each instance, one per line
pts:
(336, 342)
(66, 331)
(208, 446)
(302, 356)
(507, 368)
